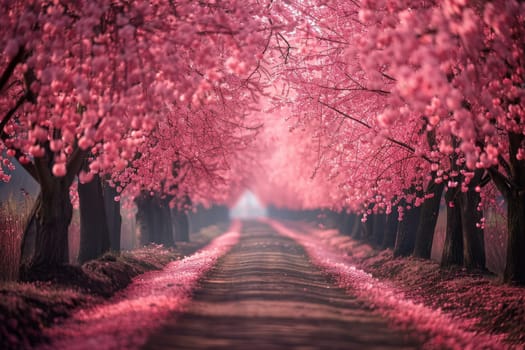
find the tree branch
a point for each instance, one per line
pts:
(10, 114)
(30, 168)
(504, 164)
(485, 180)
(288, 47)
(346, 115)
(366, 125)
(41, 165)
(360, 88)
(19, 57)
(501, 182)
(75, 164)
(388, 76)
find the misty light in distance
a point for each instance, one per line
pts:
(248, 207)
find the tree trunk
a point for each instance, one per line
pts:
(157, 221)
(222, 214)
(165, 223)
(27, 246)
(197, 217)
(427, 224)
(144, 218)
(379, 229)
(514, 192)
(45, 243)
(94, 233)
(406, 232)
(368, 229)
(345, 223)
(515, 264)
(453, 247)
(350, 219)
(204, 217)
(114, 219)
(473, 240)
(389, 239)
(181, 226)
(154, 220)
(357, 229)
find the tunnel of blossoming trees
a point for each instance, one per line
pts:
(273, 174)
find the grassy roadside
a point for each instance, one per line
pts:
(27, 308)
(493, 307)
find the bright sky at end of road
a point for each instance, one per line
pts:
(248, 207)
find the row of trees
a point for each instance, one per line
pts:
(394, 104)
(133, 100)
(406, 102)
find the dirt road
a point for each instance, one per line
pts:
(265, 294)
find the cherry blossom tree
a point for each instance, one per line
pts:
(89, 81)
(204, 144)
(408, 76)
(334, 95)
(382, 106)
(460, 66)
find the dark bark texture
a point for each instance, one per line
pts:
(368, 231)
(45, 242)
(515, 264)
(427, 224)
(144, 218)
(514, 192)
(358, 229)
(165, 222)
(181, 226)
(392, 222)
(346, 222)
(406, 232)
(154, 220)
(94, 232)
(473, 239)
(113, 217)
(453, 248)
(379, 229)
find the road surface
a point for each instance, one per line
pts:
(265, 294)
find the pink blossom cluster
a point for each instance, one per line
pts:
(395, 94)
(133, 87)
